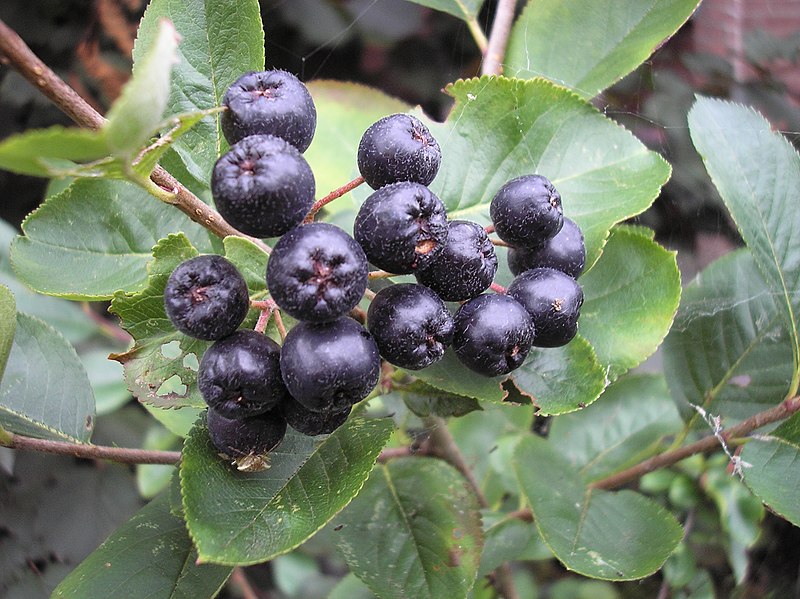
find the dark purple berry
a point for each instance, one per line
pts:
(313, 423)
(565, 252)
(263, 186)
(527, 211)
(411, 325)
(554, 300)
(465, 267)
(269, 103)
(242, 437)
(401, 227)
(493, 334)
(330, 366)
(399, 147)
(240, 375)
(206, 297)
(317, 272)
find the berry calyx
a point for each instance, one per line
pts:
(554, 300)
(330, 366)
(466, 265)
(411, 325)
(269, 103)
(246, 440)
(401, 227)
(317, 272)
(263, 186)
(493, 334)
(565, 251)
(206, 297)
(240, 375)
(527, 211)
(398, 147)
(311, 423)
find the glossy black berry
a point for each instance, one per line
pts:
(399, 147)
(311, 423)
(411, 325)
(330, 366)
(527, 211)
(240, 375)
(465, 267)
(565, 252)
(206, 297)
(241, 437)
(263, 186)
(269, 103)
(317, 272)
(401, 227)
(553, 299)
(493, 334)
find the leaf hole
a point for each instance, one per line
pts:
(190, 361)
(172, 386)
(171, 350)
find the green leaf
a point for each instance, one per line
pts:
(413, 531)
(561, 379)
(151, 479)
(729, 350)
(161, 367)
(609, 535)
(45, 391)
(502, 128)
(8, 324)
(631, 295)
(425, 400)
(771, 468)
(607, 39)
(106, 378)
(463, 9)
(757, 173)
(178, 422)
(351, 587)
(246, 518)
(149, 556)
(450, 375)
(140, 107)
(508, 540)
(250, 260)
(344, 112)
(113, 226)
(220, 41)
(624, 428)
(52, 152)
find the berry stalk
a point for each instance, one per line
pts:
(335, 194)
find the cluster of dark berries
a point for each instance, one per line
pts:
(318, 274)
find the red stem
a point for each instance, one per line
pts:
(497, 288)
(336, 193)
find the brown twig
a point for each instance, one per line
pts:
(240, 581)
(498, 38)
(381, 274)
(500, 243)
(123, 455)
(335, 194)
(15, 52)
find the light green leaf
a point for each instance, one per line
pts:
(502, 128)
(8, 324)
(151, 479)
(161, 367)
(463, 9)
(112, 227)
(771, 469)
(508, 540)
(757, 173)
(178, 422)
(607, 39)
(561, 379)
(106, 378)
(729, 350)
(450, 375)
(220, 41)
(250, 260)
(246, 518)
(351, 587)
(610, 535)
(413, 531)
(53, 152)
(140, 107)
(625, 427)
(631, 295)
(149, 556)
(45, 391)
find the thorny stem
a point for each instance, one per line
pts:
(15, 52)
(498, 38)
(335, 194)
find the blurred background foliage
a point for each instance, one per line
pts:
(732, 547)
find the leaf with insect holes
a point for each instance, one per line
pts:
(161, 367)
